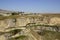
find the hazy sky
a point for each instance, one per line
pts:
(31, 5)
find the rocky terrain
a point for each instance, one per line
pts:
(29, 26)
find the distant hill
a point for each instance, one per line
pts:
(45, 14)
(5, 11)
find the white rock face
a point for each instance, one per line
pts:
(6, 23)
(22, 21)
(3, 25)
(55, 20)
(10, 22)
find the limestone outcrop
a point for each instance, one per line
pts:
(25, 22)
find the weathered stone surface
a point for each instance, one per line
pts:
(24, 20)
(55, 20)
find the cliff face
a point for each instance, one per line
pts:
(23, 19)
(55, 20)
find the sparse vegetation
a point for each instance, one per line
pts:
(51, 35)
(22, 37)
(45, 34)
